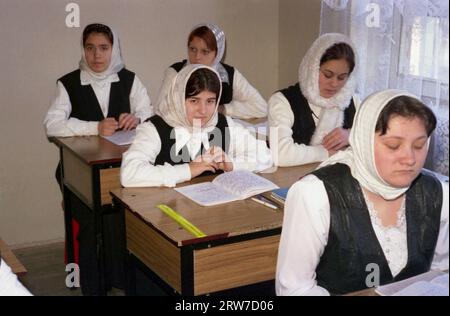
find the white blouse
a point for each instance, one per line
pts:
(9, 284)
(57, 122)
(247, 102)
(138, 169)
(305, 231)
(285, 152)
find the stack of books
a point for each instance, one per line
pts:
(276, 197)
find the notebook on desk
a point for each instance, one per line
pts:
(122, 137)
(431, 283)
(278, 196)
(227, 187)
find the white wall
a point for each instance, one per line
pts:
(37, 48)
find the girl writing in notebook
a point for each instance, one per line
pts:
(188, 137)
(98, 98)
(206, 46)
(370, 213)
(311, 120)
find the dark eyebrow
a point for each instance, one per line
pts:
(327, 70)
(399, 137)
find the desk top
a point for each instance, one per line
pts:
(217, 222)
(12, 261)
(91, 149)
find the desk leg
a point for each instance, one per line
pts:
(130, 282)
(100, 258)
(98, 224)
(68, 225)
(187, 271)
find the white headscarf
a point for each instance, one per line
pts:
(360, 156)
(332, 114)
(114, 67)
(173, 109)
(220, 41)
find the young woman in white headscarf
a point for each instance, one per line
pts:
(206, 46)
(188, 137)
(99, 98)
(370, 213)
(311, 120)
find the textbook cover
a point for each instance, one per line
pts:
(280, 193)
(277, 196)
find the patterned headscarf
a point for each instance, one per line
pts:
(220, 41)
(332, 115)
(360, 156)
(172, 108)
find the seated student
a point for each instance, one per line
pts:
(9, 284)
(206, 45)
(99, 98)
(188, 137)
(310, 121)
(371, 204)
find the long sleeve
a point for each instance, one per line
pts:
(9, 284)
(285, 151)
(247, 101)
(138, 169)
(57, 121)
(140, 104)
(441, 253)
(169, 74)
(246, 151)
(303, 238)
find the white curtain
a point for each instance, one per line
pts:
(401, 44)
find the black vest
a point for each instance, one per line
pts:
(352, 243)
(227, 88)
(220, 137)
(84, 103)
(304, 126)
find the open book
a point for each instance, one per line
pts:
(122, 137)
(227, 187)
(432, 283)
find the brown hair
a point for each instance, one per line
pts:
(408, 107)
(205, 34)
(340, 51)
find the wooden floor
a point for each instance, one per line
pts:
(46, 274)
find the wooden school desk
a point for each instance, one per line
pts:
(240, 248)
(12, 261)
(90, 169)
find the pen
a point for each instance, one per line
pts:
(264, 203)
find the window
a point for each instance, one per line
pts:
(425, 49)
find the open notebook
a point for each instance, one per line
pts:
(227, 187)
(432, 283)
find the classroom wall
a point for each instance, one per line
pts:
(37, 48)
(299, 27)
